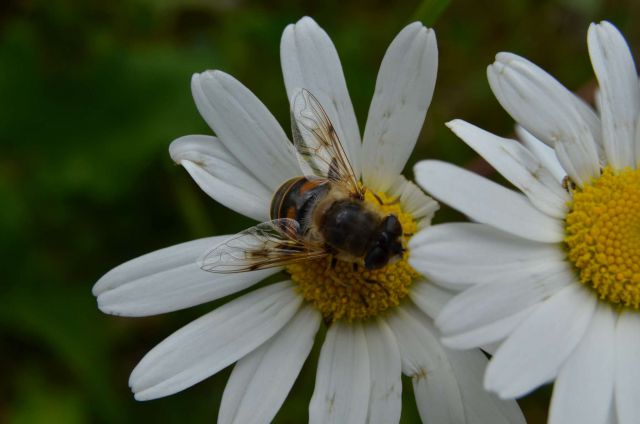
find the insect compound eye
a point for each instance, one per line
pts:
(376, 258)
(392, 226)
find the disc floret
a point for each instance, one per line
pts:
(344, 291)
(603, 236)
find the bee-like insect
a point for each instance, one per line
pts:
(320, 214)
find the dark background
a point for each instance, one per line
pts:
(92, 93)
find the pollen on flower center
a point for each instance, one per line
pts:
(345, 293)
(603, 236)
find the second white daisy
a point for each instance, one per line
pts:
(552, 275)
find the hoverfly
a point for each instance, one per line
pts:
(319, 214)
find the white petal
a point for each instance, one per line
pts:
(612, 418)
(214, 341)
(343, 384)
(310, 60)
(385, 401)
(461, 254)
(534, 352)
(487, 202)
(491, 348)
(167, 280)
(489, 336)
(544, 153)
(584, 388)
(486, 304)
(424, 359)
(245, 126)
(261, 380)
(481, 406)
(221, 175)
(549, 111)
(413, 200)
(429, 297)
(619, 93)
(517, 165)
(592, 120)
(627, 374)
(403, 92)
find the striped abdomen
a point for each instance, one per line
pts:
(296, 198)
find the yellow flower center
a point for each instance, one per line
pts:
(603, 236)
(341, 292)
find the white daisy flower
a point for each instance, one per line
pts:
(379, 319)
(552, 275)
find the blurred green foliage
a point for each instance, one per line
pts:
(91, 94)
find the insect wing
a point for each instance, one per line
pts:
(267, 245)
(320, 152)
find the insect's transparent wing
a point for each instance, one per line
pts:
(267, 245)
(320, 152)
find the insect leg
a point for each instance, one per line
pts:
(378, 283)
(383, 203)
